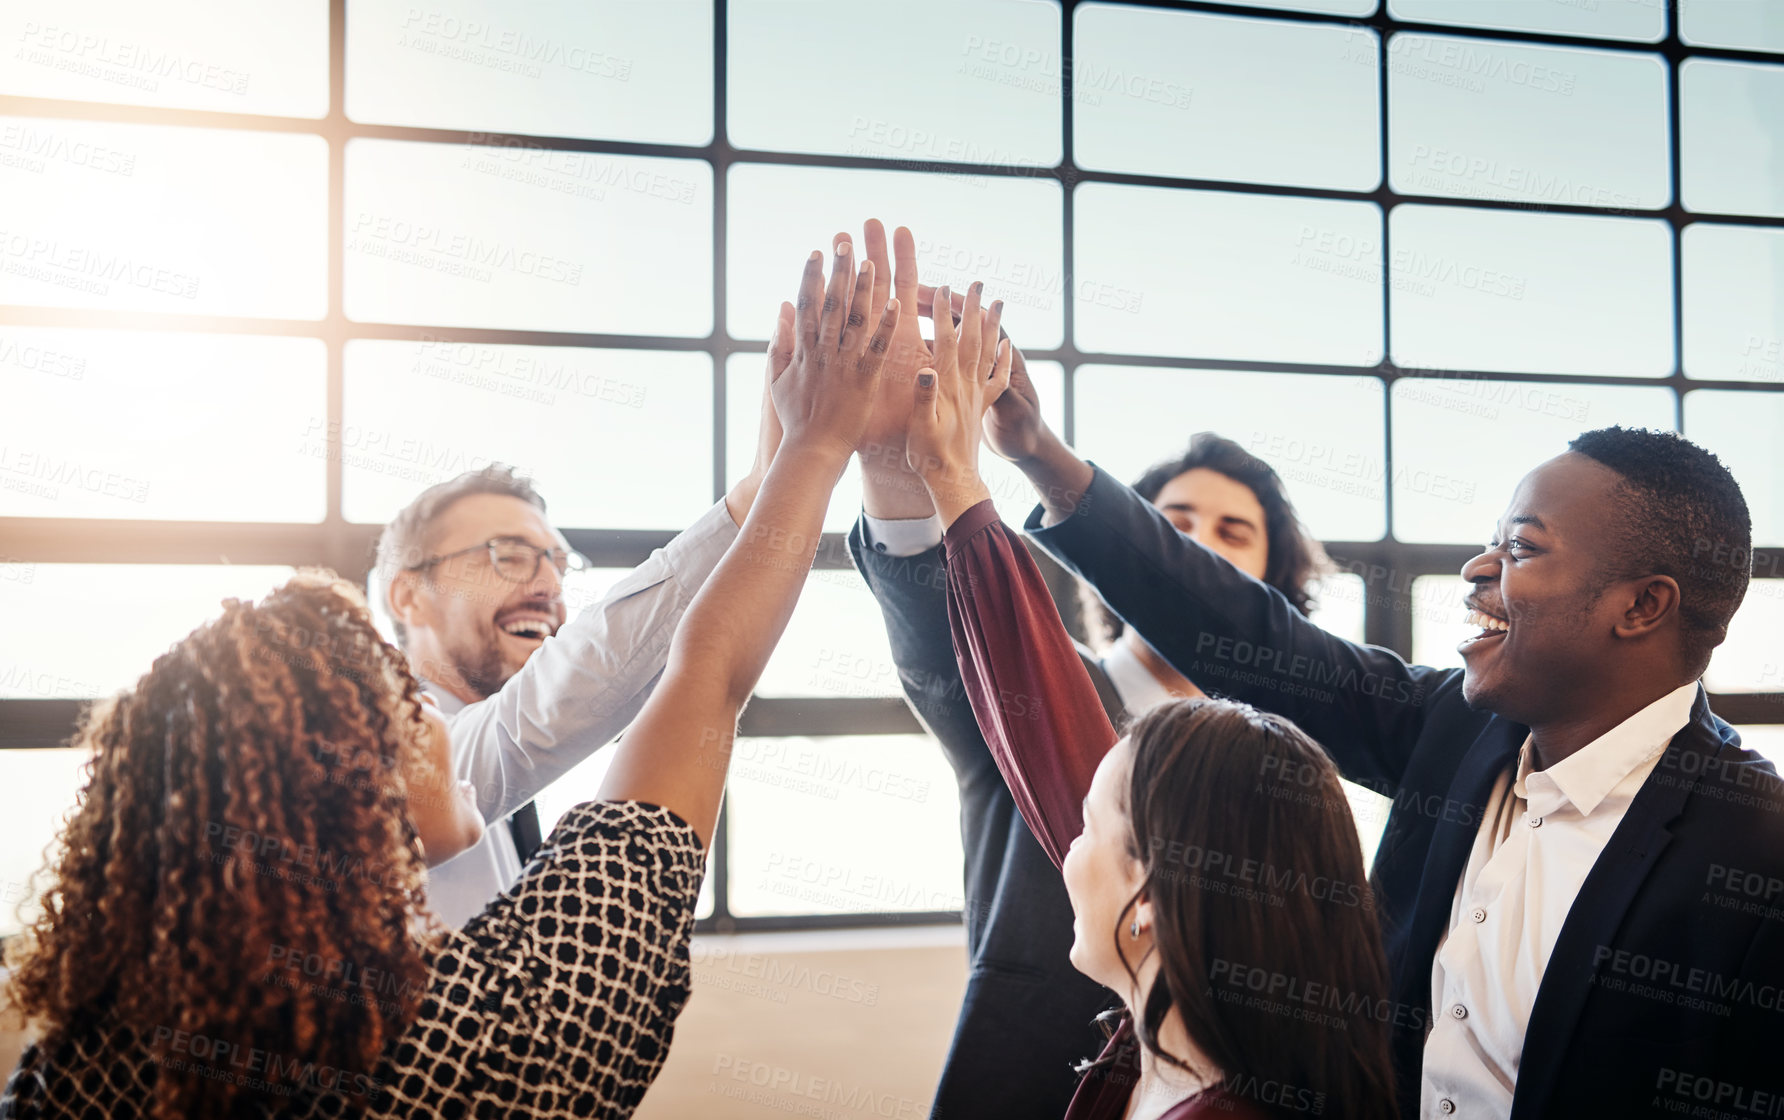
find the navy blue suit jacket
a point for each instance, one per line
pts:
(1667, 980)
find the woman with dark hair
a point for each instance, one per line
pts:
(1234, 504)
(1214, 871)
(237, 925)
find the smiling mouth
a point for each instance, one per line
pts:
(1491, 627)
(531, 629)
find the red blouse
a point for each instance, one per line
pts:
(1047, 731)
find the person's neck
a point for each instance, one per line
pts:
(1162, 671)
(1162, 1084)
(1557, 740)
(430, 665)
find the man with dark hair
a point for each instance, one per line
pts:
(471, 574)
(1581, 883)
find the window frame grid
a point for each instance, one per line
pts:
(347, 547)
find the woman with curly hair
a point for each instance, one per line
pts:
(236, 924)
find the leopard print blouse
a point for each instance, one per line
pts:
(560, 999)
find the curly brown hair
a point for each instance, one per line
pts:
(245, 806)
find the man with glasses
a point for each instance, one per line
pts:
(472, 578)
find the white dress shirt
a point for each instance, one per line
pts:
(577, 691)
(1541, 834)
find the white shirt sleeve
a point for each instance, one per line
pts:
(903, 537)
(586, 683)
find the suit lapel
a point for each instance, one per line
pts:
(1598, 909)
(1458, 820)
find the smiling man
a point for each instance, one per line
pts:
(472, 578)
(1581, 883)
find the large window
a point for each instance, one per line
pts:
(266, 271)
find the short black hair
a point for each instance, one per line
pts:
(1680, 513)
(1295, 562)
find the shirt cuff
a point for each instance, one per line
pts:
(902, 537)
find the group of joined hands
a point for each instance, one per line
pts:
(850, 372)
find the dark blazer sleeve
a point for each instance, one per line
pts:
(1237, 637)
(913, 595)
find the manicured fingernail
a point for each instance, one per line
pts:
(997, 307)
(977, 287)
(926, 379)
(816, 255)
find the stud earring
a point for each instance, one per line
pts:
(1134, 930)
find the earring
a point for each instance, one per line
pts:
(1134, 930)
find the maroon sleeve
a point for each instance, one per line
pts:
(1034, 702)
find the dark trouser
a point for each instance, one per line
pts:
(1027, 1016)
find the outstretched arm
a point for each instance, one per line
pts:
(677, 752)
(1035, 703)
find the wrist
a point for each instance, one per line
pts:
(953, 496)
(893, 493)
(1059, 476)
(821, 454)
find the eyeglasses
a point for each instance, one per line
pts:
(514, 560)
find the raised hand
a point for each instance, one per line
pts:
(971, 370)
(882, 452)
(768, 429)
(824, 397)
(1014, 427)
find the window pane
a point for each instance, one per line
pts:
(1595, 135)
(1338, 605)
(602, 68)
(1462, 444)
(135, 217)
(1212, 274)
(1756, 25)
(1734, 302)
(1743, 430)
(37, 789)
(1765, 738)
(1731, 126)
(52, 612)
(1750, 659)
(1531, 293)
(157, 413)
(1214, 97)
(1322, 433)
(269, 58)
(1637, 20)
(1002, 230)
(578, 421)
(835, 644)
(809, 822)
(986, 90)
(527, 238)
(1438, 625)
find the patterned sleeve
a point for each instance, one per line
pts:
(561, 997)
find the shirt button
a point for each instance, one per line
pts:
(1446, 1106)
(1479, 915)
(1458, 1012)
(878, 546)
(1535, 822)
